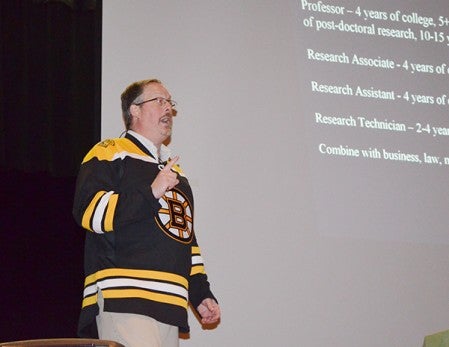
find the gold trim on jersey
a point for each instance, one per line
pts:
(120, 148)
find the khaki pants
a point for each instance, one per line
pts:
(134, 330)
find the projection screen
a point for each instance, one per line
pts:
(315, 138)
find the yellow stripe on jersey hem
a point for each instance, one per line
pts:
(143, 294)
(89, 300)
(135, 293)
(140, 274)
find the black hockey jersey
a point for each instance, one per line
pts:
(141, 252)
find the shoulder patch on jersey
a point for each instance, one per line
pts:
(106, 143)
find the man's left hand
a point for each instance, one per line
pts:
(209, 311)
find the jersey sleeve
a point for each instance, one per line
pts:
(100, 205)
(199, 286)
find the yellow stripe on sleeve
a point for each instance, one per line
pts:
(196, 250)
(110, 212)
(197, 269)
(87, 216)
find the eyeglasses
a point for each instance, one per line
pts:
(160, 100)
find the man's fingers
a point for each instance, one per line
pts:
(170, 164)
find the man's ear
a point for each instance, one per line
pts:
(134, 111)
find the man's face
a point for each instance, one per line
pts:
(154, 119)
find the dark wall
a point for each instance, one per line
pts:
(41, 257)
(50, 57)
(50, 83)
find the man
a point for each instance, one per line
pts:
(142, 261)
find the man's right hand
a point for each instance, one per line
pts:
(165, 180)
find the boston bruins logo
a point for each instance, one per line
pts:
(175, 217)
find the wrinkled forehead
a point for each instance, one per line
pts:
(152, 90)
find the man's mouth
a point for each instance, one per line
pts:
(166, 120)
